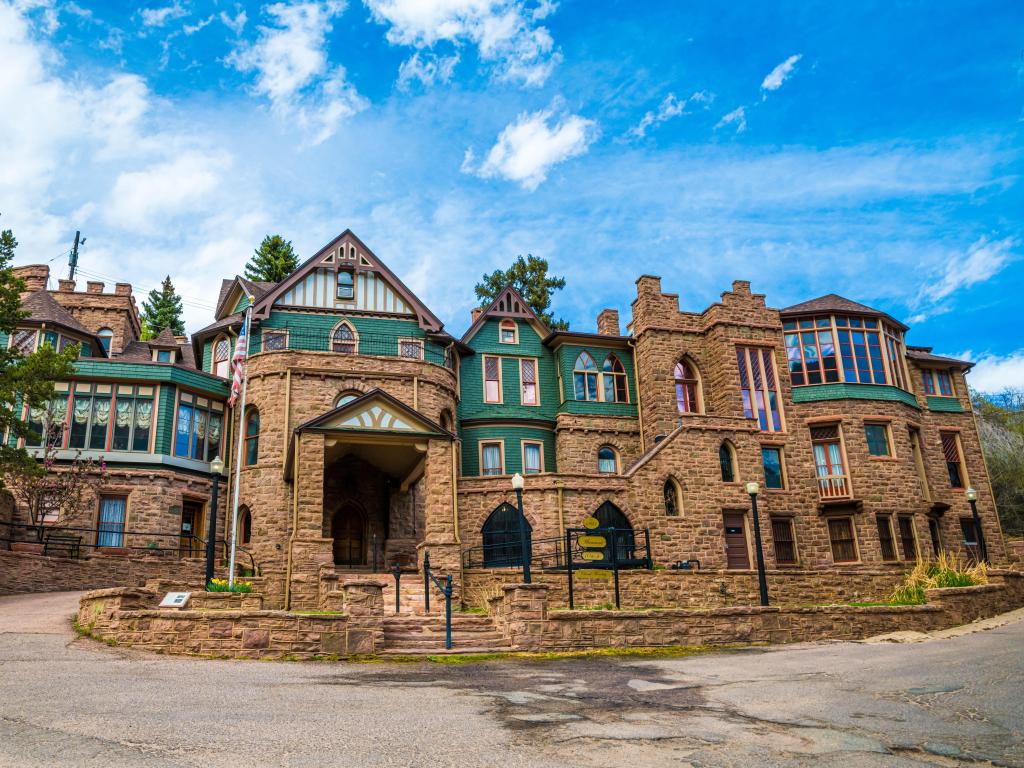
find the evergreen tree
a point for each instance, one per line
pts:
(529, 276)
(24, 379)
(273, 261)
(163, 310)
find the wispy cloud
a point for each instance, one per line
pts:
(995, 373)
(737, 117)
(235, 23)
(982, 261)
(292, 68)
(506, 33)
(774, 79)
(528, 148)
(670, 107)
(158, 17)
(427, 68)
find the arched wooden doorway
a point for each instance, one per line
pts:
(348, 528)
(610, 516)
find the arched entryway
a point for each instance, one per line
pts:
(503, 543)
(610, 516)
(348, 529)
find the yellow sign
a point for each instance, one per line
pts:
(595, 555)
(592, 542)
(591, 523)
(592, 573)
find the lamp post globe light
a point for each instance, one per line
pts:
(518, 483)
(972, 499)
(762, 583)
(216, 467)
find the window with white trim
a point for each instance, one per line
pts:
(528, 381)
(491, 458)
(533, 457)
(492, 379)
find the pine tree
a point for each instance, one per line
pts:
(529, 276)
(273, 261)
(163, 310)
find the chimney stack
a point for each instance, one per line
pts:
(66, 286)
(608, 322)
(474, 314)
(123, 289)
(34, 275)
(94, 286)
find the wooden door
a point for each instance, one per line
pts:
(191, 524)
(736, 554)
(348, 530)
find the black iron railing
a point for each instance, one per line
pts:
(633, 550)
(381, 345)
(446, 591)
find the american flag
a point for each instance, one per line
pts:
(238, 363)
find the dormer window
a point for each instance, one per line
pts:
(508, 332)
(163, 356)
(937, 383)
(346, 285)
(106, 336)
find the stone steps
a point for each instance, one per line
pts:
(419, 634)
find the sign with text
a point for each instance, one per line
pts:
(592, 542)
(175, 599)
(591, 523)
(594, 573)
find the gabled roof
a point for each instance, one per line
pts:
(508, 303)
(368, 262)
(164, 340)
(43, 308)
(416, 422)
(254, 288)
(834, 303)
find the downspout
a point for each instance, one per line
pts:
(639, 408)
(295, 527)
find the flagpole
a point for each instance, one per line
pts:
(241, 442)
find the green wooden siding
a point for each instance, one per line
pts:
(165, 421)
(472, 405)
(567, 355)
(207, 355)
(817, 392)
(512, 436)
(944, 404)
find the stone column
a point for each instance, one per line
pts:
(364, 604)
(439, 518)
(310, 549)
(525, 614)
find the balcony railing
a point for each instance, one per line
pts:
(833, 486)
(382, 345)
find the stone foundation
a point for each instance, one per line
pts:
(25, 572)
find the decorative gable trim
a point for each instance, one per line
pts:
(509, 303)
(375, 411)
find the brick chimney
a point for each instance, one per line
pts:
(741, 287)
(66, 286)
(94, 286)
(123, 289)
(474, 314)
(608, 322)
(34, 275)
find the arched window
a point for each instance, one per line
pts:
(106, 336)
(344, 339)
(607, 460)
(244, 525)
(346, 397)
(346, 285)
(503, 546)
(610, 516)
(687, 388)
(584, 377)
(446, 420)
(222, 357)
(508, 332)
(673, 498)
(614, 380)
(727, 460)
(252, 436)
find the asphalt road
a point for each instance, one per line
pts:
(948, 701)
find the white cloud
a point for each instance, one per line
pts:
(528, 148)
(737, 117)
(191, 29)
(506, 32)
(158, 17)
(235, 23)
(670, 107)
(428, 68)
(774, 79)
(995, 373)
(982, 260)
(292, 68)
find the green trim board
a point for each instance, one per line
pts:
(567, 354)
(153, 372)
(512, 436)
(817, 392)
(944, 404)
(165, 421)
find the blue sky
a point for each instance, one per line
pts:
(868, 149)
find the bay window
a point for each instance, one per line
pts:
(837, 348)
(198, 428)
(96, 417)
(759, 387)
(584, 377)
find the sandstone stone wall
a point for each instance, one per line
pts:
(95, 309)
(578, 438)
(25, 572)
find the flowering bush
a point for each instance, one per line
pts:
(221, 585)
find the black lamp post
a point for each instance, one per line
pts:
(762, 583)
(972, 498)
(216, 467)
(524, 542)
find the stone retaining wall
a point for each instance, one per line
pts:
(697, 589)
(523, 615)
(27, 572)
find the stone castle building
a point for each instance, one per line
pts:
(371, 435)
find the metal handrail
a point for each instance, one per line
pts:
(445, 590)
(549, 553)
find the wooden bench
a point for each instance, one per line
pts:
(63, 545)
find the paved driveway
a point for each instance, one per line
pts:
(952, 701)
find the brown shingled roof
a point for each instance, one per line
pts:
(834, 303)
(43, 308)
(924, 355)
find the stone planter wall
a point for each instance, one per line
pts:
(26, 572)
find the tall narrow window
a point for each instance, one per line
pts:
(528, 381)
(584, 377)
(828, 461)
(614, 380)
(784, 540)
(492, 379)
(533, 462)
(491, 459)
(897, 356)
(933, 532)
(607, 460)
(885, 540)
(106, 336)
(672, 498)
(877, 436)
(915, 447)
(945, 383)
(771, 461)
(686, 388)
(759, 387)
(908, 539)
(346, 285)
(110, 528)
(252, 436)
(727, 462)
(508, 332)
(840, 534)
(344, 340)
(927, 382)
(222, 357)
(244, 525)
(954, 462)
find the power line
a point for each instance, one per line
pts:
(191, 301)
